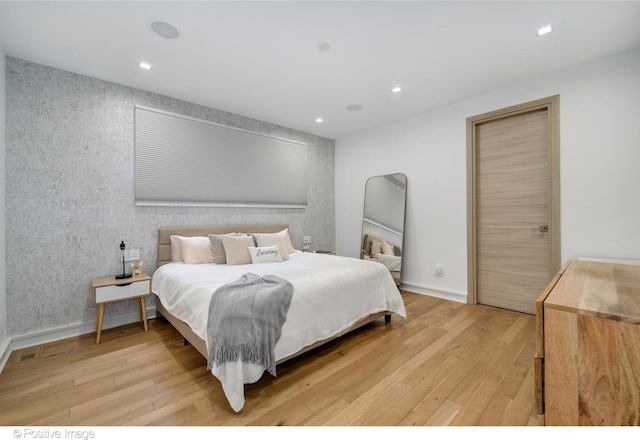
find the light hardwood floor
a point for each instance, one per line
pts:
(447, 364)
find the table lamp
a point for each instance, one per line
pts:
(124, 275)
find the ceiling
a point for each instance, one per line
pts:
(262, 59)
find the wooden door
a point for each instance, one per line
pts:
(514, 224)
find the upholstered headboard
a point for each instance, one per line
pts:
(369, 239)
(164, 235)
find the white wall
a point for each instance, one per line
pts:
(4, 339)
(600, 172)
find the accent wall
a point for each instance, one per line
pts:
(70, 195)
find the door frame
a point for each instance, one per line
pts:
(552, 105)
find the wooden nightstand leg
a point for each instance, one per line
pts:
(99, 323)
(143, 312)
(140, 309)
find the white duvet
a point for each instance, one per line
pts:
(330, 293)
(392, 262)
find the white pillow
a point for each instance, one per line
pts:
(236, 248)
(287, 240)
(376, 248)
(284, 235)
(387, 249)
(175, 249)
(266, 254)
(264, 240)
(196, 250)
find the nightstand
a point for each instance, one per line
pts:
(109, 289)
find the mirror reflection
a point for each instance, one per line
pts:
(383, 221)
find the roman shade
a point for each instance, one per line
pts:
(183, 161)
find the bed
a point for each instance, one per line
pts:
(381, 251)
(332, 295)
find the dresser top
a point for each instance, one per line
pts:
(605, 290)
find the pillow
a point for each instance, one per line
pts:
(376, 247)
(219, 257)
(387, 249)
(236, 248)
(287, 240)
(263, 240)
(265, 254)
(175, 249)
(284, 235)
(367, 245)
(196, 250)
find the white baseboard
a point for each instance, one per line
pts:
(71, 330)
(4, 353)
(610, 260)
(438, 293)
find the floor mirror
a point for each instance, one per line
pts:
(385, 199)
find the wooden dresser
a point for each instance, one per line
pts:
(588, 348)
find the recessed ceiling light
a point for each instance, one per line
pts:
(319, 120)
(164, 29)
(354, 107)
(544, 30)
(145, 66)
(324, 47)
(396, 89)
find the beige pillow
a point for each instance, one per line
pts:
(376, 247)
(287, 240)
(175, 249)
(236, 248)
(273, 240)
(387, 249)
(196, 250)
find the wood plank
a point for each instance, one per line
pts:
(561, 368)
(591, 351)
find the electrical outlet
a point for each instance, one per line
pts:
(437, 271)
(131, 254)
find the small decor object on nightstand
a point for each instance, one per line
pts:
(136, 268)
(124, 275)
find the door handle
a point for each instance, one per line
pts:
(540, 228)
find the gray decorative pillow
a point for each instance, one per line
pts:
(219, 256)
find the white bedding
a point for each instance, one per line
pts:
(392, 262)
(331, 293)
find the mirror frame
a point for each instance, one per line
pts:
(404, 216)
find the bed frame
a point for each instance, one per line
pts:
(164, 257)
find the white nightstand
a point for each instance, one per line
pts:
(109, 289)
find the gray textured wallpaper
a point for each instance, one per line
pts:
(70, 192)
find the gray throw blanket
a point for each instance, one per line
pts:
(245, 320)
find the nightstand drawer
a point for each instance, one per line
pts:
(123, 291)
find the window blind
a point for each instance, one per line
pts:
(183, 161)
